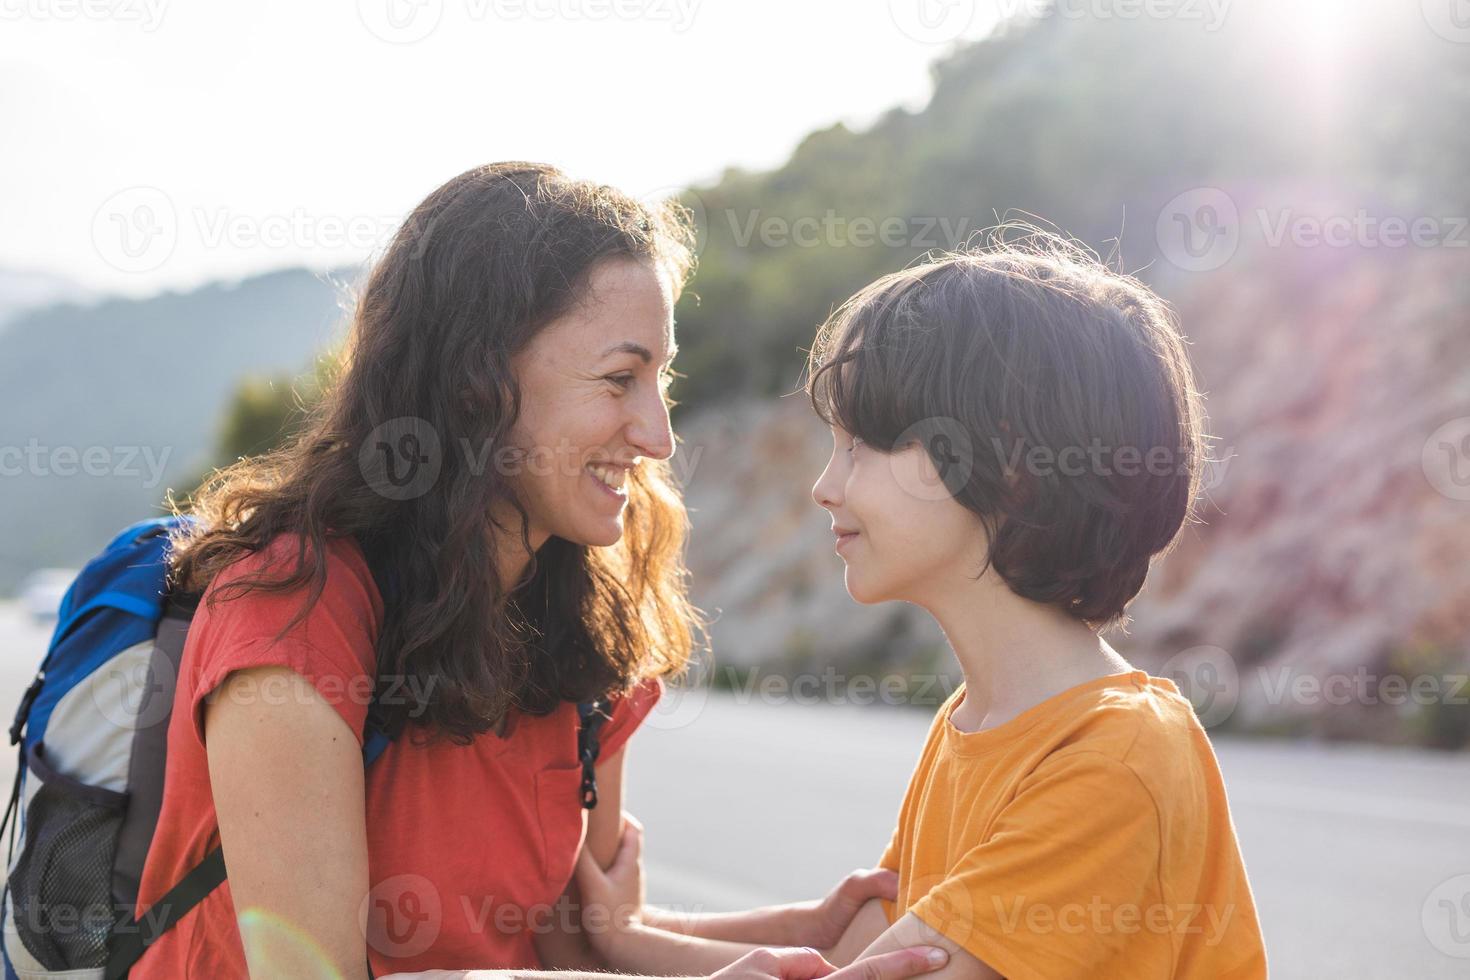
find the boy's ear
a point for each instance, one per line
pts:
(1019, 487)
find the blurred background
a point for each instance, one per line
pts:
(190, 193)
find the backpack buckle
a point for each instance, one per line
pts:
(23, 713)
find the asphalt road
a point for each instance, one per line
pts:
(1359, 857)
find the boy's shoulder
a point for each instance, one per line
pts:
(1141, 723)
(1130, 720)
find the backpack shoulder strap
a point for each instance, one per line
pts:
(592, 715)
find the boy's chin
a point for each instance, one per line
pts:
(863, 591)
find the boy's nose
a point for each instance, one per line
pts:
(827, 490)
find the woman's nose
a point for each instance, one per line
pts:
(651, 433)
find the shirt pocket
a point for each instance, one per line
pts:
(563, 823)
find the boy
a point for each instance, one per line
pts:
(1016, 435)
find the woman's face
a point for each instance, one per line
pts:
(592, 403)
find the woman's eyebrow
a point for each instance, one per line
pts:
(636, 349)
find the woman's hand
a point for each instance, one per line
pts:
(821, 924)
(808, 964)
(612, 899)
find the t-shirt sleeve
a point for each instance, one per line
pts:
(333, 647)
(889, 860)
(1068, 880)
(628, 713)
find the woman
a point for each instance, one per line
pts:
(474, 533)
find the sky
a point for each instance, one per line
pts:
(151, 145)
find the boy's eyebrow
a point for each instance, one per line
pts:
(637, 350)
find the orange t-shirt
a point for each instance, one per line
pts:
(1089, 836)
(469, 847)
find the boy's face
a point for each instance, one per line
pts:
(906, 537)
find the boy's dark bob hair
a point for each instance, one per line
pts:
(1054, 396)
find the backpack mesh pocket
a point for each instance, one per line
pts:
(61, 885)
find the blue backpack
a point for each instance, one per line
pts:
(92, 732)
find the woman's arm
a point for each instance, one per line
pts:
(287, 778)
(818, 923)
(763, 964)
(569, 948)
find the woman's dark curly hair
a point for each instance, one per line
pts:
(1054, 395)
(473, 274)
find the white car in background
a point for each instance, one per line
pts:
(40, 592)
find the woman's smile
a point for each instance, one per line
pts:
(610, 481)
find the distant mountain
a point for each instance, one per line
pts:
(102, 408)
(22, 290)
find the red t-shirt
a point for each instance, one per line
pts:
(469, 847)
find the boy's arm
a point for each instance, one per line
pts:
(911, 931)
(820, 924)
(865, 928)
